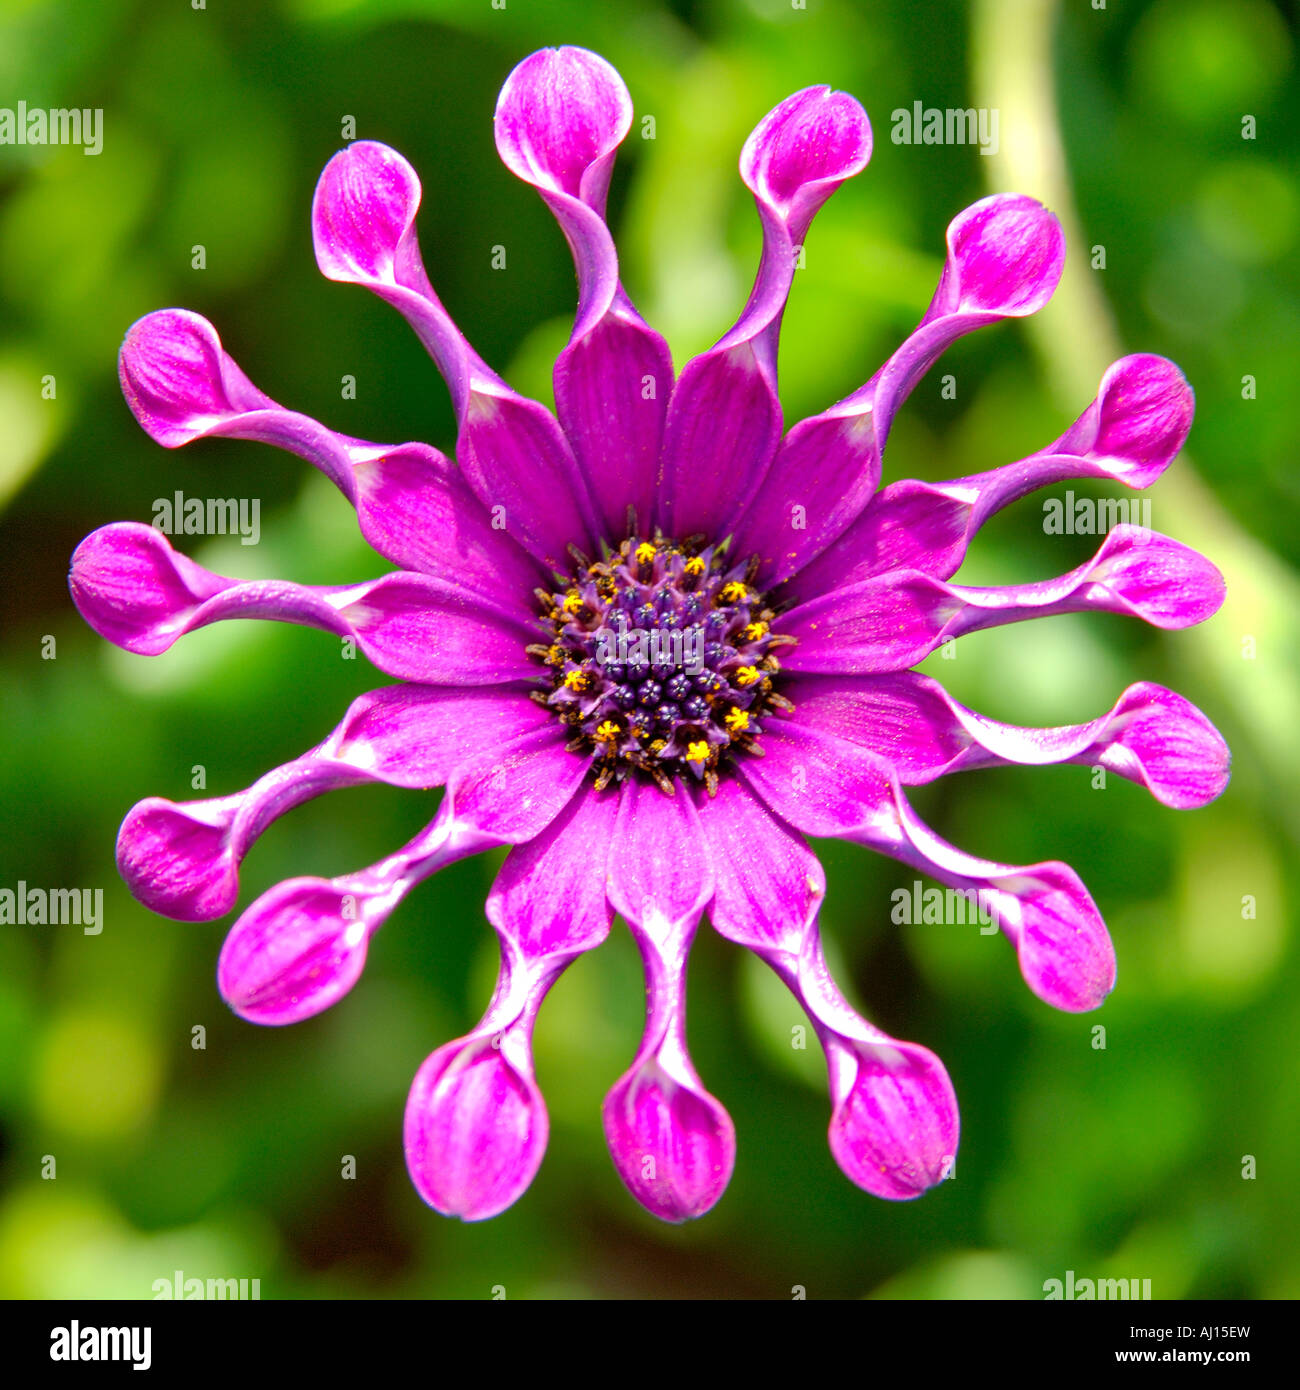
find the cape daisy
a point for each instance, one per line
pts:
(649, 645)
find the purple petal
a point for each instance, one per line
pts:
(130, 586)
(768, 884)
(513, 453)
(1134, 429)
(660, 875)
(475, 1122)
(176, 859)
(178, 381)
(826, 787)
(136, 591)
(724, 419)
(417, 510)
(1135, 571)
(909, 525)
(514, 792)
(672, 1143)
(412, 504)
(302, 945)
(883, 624)
(1162, 741)
(298, 949)
(1005, 256)
(1152, 736)
(894, 1124)
(893, 1113)
(183, 859)
(519, 464)
(475, 1128)
(801, 152)
(1129, 434)
(561, 114)
(896, 619)
(549, 897)
(724, 422)
(505, 795)
(612, 386)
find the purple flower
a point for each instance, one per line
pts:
(650, 645)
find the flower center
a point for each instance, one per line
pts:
(662, 660)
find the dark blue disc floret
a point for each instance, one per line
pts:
(661, 660)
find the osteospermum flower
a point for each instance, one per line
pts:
(650, 643)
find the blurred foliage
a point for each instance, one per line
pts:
(225, 1162)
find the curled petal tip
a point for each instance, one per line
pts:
(365, 202)
(177, 863)
(674, 1146)
(1064, 949)
(1166, 583)
(561, 111)
(131, 587)
(894, 1124)
(1145, 409)
(803, 149)
(171, 369)
(475, 1129)
(298, 949)
(1167, 744)
(1005, 256)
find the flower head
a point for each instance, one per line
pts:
(650, 643)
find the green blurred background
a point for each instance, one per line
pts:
(226, 1162)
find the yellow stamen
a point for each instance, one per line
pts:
(577, 680)
(658, 745)
(737, 720)
(694, 567)
(572, 602)
(645, 553)
(747, 675)
(753, 631)
(735, 592)
(607, 732)
(697, 752)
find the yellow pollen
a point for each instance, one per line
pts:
(607, 731)
(555, 656)
(658, 745)
(577, 680)
(747, 675)
(753, 631)
(697, 752)
(572, 602)
(694, 567)
(645, 552)
(737, 720)
(734, 592)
